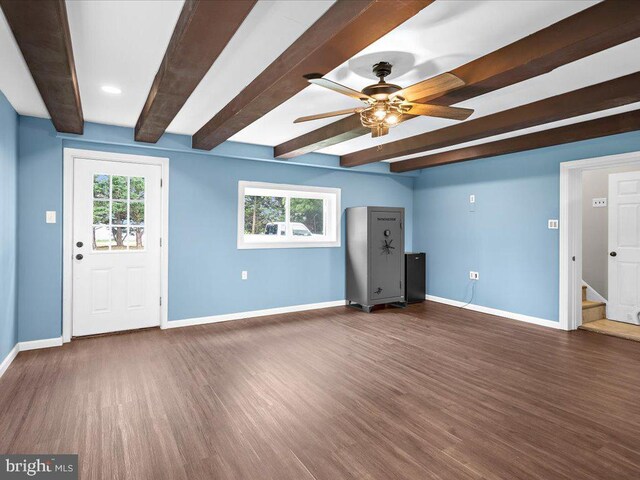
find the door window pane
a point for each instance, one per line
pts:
(136, 191)
(136, 213)
(101, 237)
(101, 186)
(307, 217)
(135, 239)
(119, 213)
(118, 238)
(100, 212)
(264, 215)
(119, 187)
(119, 202)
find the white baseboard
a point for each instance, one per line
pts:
(494, 311)
(22, 346)
(35, 344)
(56, 342)
(254, 313)
(9, 358)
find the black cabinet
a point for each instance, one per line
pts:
(415, 277)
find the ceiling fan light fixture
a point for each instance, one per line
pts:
(391, 119)
(386, 103)
(380, 112)
(382, 115)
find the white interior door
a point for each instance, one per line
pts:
(624, 247)
(117, 225)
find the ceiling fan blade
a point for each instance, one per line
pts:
(328, 114)
(336, 87)
(454, 113)
(379, 131)
(428, 88)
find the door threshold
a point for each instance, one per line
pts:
(120, 332)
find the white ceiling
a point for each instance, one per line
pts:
(121, 43)
(435, 40)
(270, 28)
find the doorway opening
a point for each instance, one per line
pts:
(115, 242)
(600, 245)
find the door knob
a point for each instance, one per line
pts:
(79, 244)
(79, 256)
(613, 254)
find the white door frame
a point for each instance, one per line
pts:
(70, 154)
(571, 231)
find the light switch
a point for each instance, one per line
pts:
(472, 199)
(553, 224)
(51, 216)
(599, 202)
(245, 275)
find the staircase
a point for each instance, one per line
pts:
(594, 319)
(592, 311)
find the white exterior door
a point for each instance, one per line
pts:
(624, 247)
(117, 225)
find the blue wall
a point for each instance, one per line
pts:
(204, 263)
(504, 236)
(8, 226)
(40, 247)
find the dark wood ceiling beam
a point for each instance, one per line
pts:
(202, 31)
(600, 127)
(41, 30)
(595, 29)
(602, 96)
(345, 29)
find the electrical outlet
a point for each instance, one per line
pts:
(245, 275)
(599, 202)
(474, 275)
(50, 216)
(553, 224)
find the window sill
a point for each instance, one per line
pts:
(266, 245)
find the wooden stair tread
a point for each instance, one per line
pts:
(591, 304)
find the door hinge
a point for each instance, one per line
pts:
(160, 183)
(160, 241)
(160, 301)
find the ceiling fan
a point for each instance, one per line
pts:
(386, 103)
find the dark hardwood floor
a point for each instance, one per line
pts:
(429, 392)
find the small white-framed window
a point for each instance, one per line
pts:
(273, 215)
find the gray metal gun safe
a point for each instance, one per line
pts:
(375, 256)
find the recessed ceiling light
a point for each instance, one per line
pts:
(111, 89)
